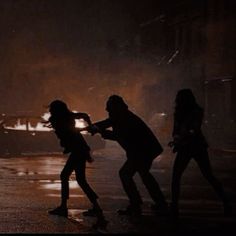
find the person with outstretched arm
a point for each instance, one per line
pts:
(141, 147)
(62, 120)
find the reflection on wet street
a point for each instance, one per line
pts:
(30, 186)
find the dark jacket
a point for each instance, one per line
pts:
(134, 136)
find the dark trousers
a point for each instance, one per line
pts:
(181, 161)
(142, 167)
(76, 162)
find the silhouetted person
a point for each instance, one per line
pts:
(62, 120)
(189, 142)
(141, 147)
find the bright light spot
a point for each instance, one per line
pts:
(46, 116)
(18, 126)
(80, 123)
(173, 56)
(162, 114)
(57, 185)
(39, 127)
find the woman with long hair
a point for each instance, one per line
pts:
(189, 142)
(62, 120)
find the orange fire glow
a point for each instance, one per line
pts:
(40, 126)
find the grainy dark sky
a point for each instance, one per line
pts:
(71, 50)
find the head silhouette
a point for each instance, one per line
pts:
(58, 107)
(115, 104)
(185, 98)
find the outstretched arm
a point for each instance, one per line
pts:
(103, 124)
(98, 127)
(102, 127)
(84, 116)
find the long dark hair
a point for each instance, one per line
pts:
(185, 102)
(59, 111)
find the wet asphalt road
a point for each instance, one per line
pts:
(30, 186)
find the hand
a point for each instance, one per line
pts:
(92, 129)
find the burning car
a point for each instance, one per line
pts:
(28, 134)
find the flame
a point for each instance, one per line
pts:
(18, 126)
(46, 116)
(80, 123)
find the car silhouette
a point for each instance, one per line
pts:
(21, 135)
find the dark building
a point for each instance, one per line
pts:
(220, 72)
(192, 44)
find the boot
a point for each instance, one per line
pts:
(131, 210)
(60, 211)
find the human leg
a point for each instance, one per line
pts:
(80, 173)
(64, 176)
(203, 162)
(126, 174)
(181, 161)
(152, 185)
(80, 168)
(96, 210)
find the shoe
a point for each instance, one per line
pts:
(59, 211)
(91, 212)
(131, 211)
(101, 223)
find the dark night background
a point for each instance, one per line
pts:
(84, 51)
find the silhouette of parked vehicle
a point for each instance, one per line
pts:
(27, 134)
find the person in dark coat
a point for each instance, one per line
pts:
(141, 147)
(189, 142)
(62, 120)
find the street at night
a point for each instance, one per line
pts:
(30, 186)
(151, 75)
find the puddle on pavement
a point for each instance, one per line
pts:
(22, 173)
(19, 172)
(59, 195)
(56, 184)
(74, 213)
